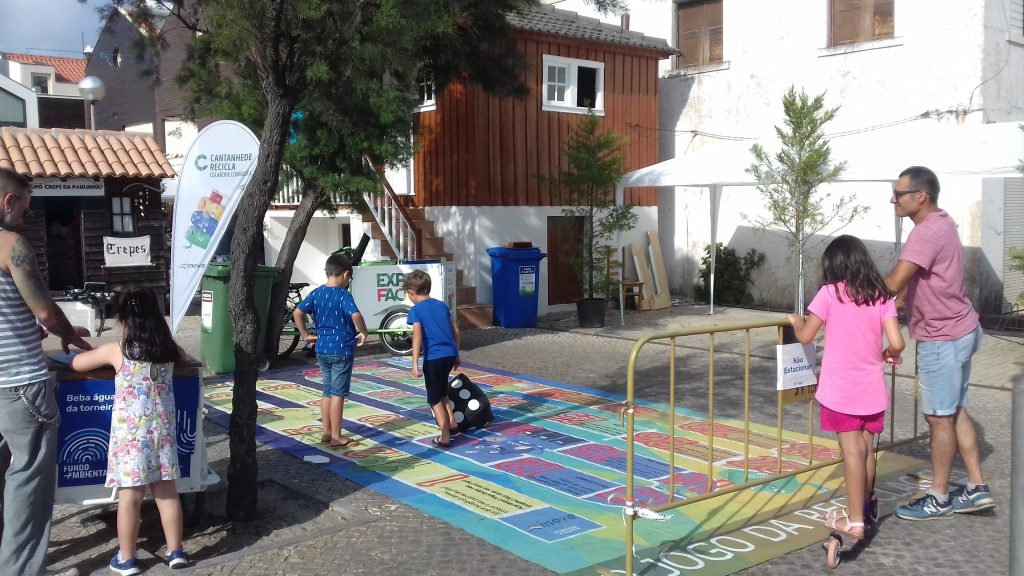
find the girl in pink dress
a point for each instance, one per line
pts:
(142, 450)
(856, 308)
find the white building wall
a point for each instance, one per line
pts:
(949, 62)
(474, 229)
(323, 237)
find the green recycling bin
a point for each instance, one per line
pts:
(217, 336)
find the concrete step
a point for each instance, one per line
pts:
(472, 316)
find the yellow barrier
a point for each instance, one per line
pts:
(628, 414)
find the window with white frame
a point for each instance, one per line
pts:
(41, 83)
(428, 101)
(122, 219)
(572, 85)
(852, 21)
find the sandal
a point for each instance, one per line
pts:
(844, 526)
(325, 438)
(345, 441)
(836, 514)
(436, 441)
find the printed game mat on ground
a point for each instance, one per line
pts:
(545, 480)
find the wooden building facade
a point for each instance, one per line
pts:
(95, 194)
(475, 149)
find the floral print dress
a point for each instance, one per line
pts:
(142, 446)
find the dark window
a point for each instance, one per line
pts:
(41, 83)
(586, 87)
(700, 32)
(854, 21)
(122, 219)
(12, 110)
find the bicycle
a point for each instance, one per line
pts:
(290, 336)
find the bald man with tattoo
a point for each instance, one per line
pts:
(28, 407)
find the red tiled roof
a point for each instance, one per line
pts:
(69, 70)
(63, 153)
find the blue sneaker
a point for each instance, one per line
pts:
(177, 559)
(926, 507)
(967, 501)
(129, 567)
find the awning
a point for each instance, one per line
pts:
(63, 153)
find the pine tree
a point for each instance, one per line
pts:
(790, 179)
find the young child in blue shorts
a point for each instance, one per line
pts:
(436, 336)
(340, 328)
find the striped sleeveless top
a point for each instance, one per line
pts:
(21, 353)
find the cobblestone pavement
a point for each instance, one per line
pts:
(313, 522)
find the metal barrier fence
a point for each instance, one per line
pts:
(784, 397)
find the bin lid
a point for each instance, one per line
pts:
(223, 270)
(516, 253)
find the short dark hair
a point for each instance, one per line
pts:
(337, 264)
(419, 282)
(922, 178)
(12, 182)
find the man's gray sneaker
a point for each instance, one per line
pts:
(966, 501)
(926, 507)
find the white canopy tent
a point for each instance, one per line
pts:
(981, 150)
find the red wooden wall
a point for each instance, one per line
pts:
(479, 150)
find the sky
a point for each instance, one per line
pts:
(53, 27)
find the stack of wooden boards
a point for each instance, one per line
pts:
(650, 270)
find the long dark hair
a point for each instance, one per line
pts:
(146, 335)
(847, 260)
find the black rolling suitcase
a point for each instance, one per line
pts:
(470, 405)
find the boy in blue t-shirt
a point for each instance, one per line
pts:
(435, 334)
(339, 329)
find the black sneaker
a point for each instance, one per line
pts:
(967, 501)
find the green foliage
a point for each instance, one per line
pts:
(733, 275)
(1017, 263)
(790, 179)
(596, 162)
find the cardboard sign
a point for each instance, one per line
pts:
(795, 366)
(126, 251)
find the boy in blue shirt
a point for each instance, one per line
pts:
(435, 334)
(339, 329)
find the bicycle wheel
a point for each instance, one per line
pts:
(289, 338)
(396, 333)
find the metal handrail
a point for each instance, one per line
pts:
(631, 511)
(396, 223)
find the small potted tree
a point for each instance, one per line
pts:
(596, 161)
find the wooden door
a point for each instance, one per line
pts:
(565, 234)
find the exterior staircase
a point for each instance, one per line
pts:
(407, 234)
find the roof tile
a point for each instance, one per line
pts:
(557, 22)
(69, 70)
(63, 153)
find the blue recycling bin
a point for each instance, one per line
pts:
(515, 277)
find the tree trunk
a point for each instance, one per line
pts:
(243, 469)
(312, 196)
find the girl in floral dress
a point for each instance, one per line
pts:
(142, 450)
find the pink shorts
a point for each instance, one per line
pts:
(833, 421)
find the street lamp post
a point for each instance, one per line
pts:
(92, 90)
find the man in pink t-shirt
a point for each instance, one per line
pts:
(930, 275)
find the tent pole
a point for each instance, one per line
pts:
(619, 197)
(716, 198)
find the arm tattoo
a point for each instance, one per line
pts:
(33, 290)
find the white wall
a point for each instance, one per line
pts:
(27, 95)
(323, 236)
(23, 74)
(955, 62)
(470, 231)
